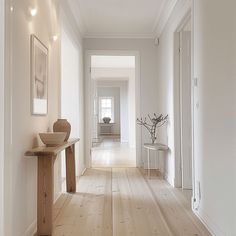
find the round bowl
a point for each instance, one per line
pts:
(53, 139)
(106, 120)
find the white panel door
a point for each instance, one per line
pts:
(185, 104)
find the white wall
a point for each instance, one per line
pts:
(214, 121)
(115, 93)
(148, 72)
(124, 112)
(2, 35)
(165, 88)
(215, 126)
(132, 109)
(72, 81)
(21, 172)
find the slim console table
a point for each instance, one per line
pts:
(46, 157)
(155, 147)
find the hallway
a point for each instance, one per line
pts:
(110, 152)
(121, 202)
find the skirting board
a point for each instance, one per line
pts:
(32, 229)
(211, 226)
(169, 179)
(83, 171)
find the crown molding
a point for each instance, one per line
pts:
(167, 7)
(163, 18)
(73, 7)
(118, 36)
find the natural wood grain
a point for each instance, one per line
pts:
(70, 169)
(175, 209)
(135, 211)
(50, 151)
(121, 202)
(112, 153)
(45, 195)
(46, 157)
(89, 211)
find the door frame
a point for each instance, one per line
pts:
(7, 8)
(2, 84)
(88, 99)
(177, 103)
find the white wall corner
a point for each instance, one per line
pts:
(72, 10)
(73, 22)
(161, 21)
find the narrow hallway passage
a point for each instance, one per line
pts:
(121, 202)
(112, 153)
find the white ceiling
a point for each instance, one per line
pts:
(121, 18)
(113, 61)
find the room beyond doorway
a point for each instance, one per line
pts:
(113, 95)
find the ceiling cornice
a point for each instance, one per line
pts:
(161, 21)
(158, 26)
(118, 36)
(74, 8)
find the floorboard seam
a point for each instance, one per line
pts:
(157, 202)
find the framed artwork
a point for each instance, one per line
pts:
(39, 77)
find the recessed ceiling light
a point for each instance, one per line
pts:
(33, 11)
(54, 37)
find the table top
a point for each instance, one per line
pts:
(156, 146)
(51, 151)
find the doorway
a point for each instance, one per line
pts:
(2, 76)
(183, 107)
(113, 88)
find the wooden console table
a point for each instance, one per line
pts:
(46, 157)
(155, 147)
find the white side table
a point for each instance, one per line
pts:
(155, 147)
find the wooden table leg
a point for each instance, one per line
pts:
(70, 169)
(45, 195)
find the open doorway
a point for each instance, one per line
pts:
(183, 108)
(2, 93)
(114, 106)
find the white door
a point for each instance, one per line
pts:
(185, 106)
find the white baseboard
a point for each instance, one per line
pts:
(168, 179)
(83, 171)
(57, 197)
(209, 223)
(32, 229)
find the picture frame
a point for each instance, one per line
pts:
(39, 77)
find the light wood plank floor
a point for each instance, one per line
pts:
(121, 202)
(111, 153)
